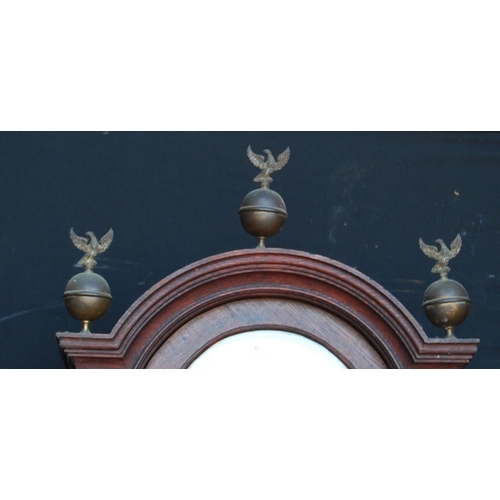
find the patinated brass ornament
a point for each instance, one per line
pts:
(90, 246)
(443, 256)
(446, 302)
(87, 295)
(263, 211)
(268, 166)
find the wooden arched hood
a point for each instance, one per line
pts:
(187, 312)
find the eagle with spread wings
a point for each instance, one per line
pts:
(267, 166)
(90, 246)
(443, 255)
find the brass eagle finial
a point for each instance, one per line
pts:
(90, 246)
(443, 256)
(267, 166)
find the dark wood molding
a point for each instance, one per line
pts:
(193, 338)
(215, 287)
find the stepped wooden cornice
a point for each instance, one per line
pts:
(325, 300)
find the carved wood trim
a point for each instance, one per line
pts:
(289, 275)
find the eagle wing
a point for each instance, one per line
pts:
(455, 246)
(105, 241)
(282, 159)
(80, 242)
(429, 250)
(257, 160)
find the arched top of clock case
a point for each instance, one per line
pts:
(378, 322)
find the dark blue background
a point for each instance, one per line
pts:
(172, 198)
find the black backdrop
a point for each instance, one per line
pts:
(172, 198)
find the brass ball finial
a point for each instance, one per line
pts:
(262, 214)
(87, 295)
(263, 211)
(446, 302)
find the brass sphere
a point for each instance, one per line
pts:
(87, 297)
(262, 213)
(446, 304)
